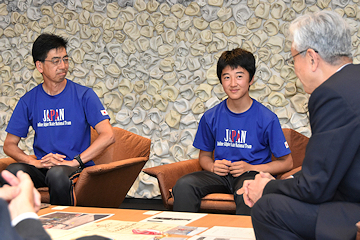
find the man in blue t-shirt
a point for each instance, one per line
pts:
(236, 139)
(61, 113)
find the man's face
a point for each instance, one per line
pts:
(236, 82)
(303, 70)
(54, 72)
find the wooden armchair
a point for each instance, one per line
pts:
(107, 183)
(168, 174)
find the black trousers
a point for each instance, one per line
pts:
(56, 178)
(277, 217)
(190, 188)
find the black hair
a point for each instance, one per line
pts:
(237, 57)
(44, 43)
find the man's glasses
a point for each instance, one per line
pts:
(291, 60)
(57, 61)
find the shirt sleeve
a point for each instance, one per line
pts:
(19, 122)
(277, 141)
(23, 216)
(204, 139)
(94, 110)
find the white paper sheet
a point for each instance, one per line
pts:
(176, 218)
(229, 233)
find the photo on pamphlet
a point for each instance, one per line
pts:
(67, 220)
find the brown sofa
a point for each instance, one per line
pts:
(168, 174)
(107, 183)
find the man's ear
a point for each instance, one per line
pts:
(314, 58)
(39, 66)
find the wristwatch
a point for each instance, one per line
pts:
(82, 165)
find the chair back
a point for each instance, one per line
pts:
(119, 150)
(297, 143)
(106, 155)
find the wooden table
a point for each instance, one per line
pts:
(209, 220)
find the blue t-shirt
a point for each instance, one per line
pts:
(61, 122)
(251, 136)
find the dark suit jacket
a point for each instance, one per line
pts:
(330, 173)
(29, 229)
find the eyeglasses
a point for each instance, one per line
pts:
(57, 61)
(291, 60)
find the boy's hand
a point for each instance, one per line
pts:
(221, 167)
(239, 167)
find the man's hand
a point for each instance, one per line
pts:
(221, 167)
(27, 198)
(253, 189)
(73, 163)
(51, 160)
(8, 192)
(239, 167)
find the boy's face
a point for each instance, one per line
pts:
(236, 82)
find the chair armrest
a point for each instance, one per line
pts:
(289, 173)
(106, 185)
(4, 162)
(168, 174)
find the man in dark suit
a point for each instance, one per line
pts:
(19, 203)
(322, 201)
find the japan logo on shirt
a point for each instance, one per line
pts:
(104, 112)
(286, 144)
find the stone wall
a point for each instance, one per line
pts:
(153, 63)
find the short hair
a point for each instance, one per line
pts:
(236, 58)
(326, 32)
(44, 43)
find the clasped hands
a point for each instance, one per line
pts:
(53, 159)
(21, 194)
(224, 167)
(252, 190)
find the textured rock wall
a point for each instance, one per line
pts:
(153, 63)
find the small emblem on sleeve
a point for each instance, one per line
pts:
(286, 144)
(104, 112)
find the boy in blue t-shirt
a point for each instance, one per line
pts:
(61, 113)
(236, 139)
